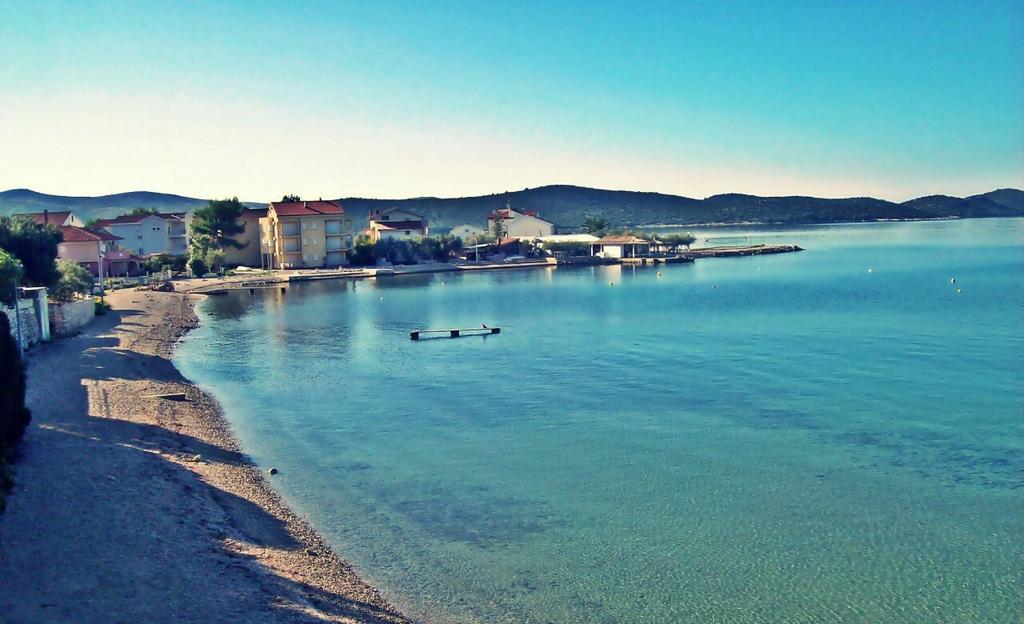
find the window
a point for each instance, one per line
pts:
(407, 232)
(313, 225)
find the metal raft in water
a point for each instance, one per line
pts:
(453, 333)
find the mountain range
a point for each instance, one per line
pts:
(567, 206)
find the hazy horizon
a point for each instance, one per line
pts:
(398, 100)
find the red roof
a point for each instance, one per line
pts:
(306, 208)
(399, 225)
(506, 213)
(52, 218)
(75, 234)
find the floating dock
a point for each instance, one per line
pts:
(425, 334)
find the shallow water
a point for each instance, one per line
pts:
(829, 436)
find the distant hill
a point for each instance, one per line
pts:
(104, 206)
(567, 206)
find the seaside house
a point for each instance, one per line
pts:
(249, 253)
(305, 234)
(620, 247)
(396, 224)
(90, 246)
(519, 224)
(468, 232)
(58, 219)
(151, 234)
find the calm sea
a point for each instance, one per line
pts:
(835, 435)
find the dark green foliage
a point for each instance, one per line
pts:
(361, 253)
(141, 212)
(438, 248)
(218, 220)
(675, 241)
(569, 249)
(10, 273)
(36, 247)
(14, 416)
(595, 225)
(197, 266)
(157, 263)
(74, 280)
(291, 198)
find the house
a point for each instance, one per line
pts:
(396, 224)
(150, 234)
(620, 247)
(304, 234)
(468, 232)
(249, 239)
(58, 219)
(90, 246)
(516, 224)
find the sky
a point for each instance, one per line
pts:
(407, 99)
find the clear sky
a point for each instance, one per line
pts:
(400, 99)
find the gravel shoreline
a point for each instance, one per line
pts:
(128, 507)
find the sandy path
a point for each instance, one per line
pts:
(113, 518)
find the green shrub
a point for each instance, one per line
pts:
(74, 280)
(198, 266)
(10, 272)
(14, 416)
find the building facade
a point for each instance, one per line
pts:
(519, 224)
(620, 247)
(305, 234)
(57, 219)
(249, 239)
(91, 246)
(145, 235)
(396, 224)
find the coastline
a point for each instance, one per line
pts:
(144, 507)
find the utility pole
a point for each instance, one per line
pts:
(102, 256)
(17, 310)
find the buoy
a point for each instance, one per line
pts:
(959, 290)
(611, 283)
(714, 285)
(382, 298)
(659, 273)
(952, 280)
(273, 471)
(871, 270)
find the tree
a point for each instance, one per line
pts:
(141, 212)
(675, 241)
(10, 273)
(291, 198)
(14, 416)
(361, 253)
(499, 226)
(35, 246)
(218, 220)
(595, 225)
(74, 280)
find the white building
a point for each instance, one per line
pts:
(163, 233)
(396, 224)
(620, 247)
(467, 232)
(517, 224)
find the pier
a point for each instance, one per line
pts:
(452, 333)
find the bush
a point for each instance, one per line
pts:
(568, 248)
(198, 266)
(14, 416)
(74, 280)
(10, 272)
(362, 253)
(36, 247)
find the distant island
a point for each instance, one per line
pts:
(568, 206)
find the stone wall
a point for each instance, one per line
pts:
(69, 317)
(31, 332)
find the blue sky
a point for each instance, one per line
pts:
(390, 99)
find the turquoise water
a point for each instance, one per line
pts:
(830, 436)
